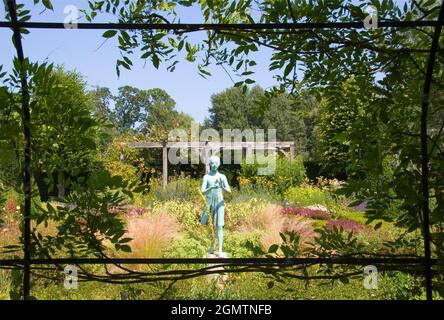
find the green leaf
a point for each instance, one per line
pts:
(139, 189)
(273, 248)
(344, 280)
(180, 46)
(288, 68)
(156, 61)
(124, 248)
(340, 137)
(125, 36)
(109, 33)
(270, 284)
(48, 4)
(378, 225)
(188, 47)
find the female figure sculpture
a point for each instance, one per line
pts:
(212, 185)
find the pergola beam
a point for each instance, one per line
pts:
(213, 26)
(216, 145)
(206, 147)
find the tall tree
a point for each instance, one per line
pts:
(64, 131)
(102, 99)
(129, 109)
(162, 116)
(230, 108)
(342, 106)
(253, 109)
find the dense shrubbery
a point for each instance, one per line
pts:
(307, 195)
(178, 188)
(287, 174)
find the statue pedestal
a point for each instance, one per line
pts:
(222, 255)
(220, 277)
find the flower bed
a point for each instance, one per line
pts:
(307, 213)
(347, 225)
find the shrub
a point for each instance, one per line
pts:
(286, 174)
(401, 286)
(151, 234)
(271, 222)
(236, 243)
(132, 167)
(307, 195)
(248, 192)
(326, 184)
(116, 168)
(237, 213)
(178, 188)
(187, 247)
(186, 213)
(289, 173)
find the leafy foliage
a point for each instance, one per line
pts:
(64, 132)
(256, 109)
(307, 195)
(288, 173)
(84, 219)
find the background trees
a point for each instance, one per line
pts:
(64, 131)
(293, 117)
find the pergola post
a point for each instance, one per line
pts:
(121, 155)
(26, 120)
(291, 152)
(164, 166)
(425, 158)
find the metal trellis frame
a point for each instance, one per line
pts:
(27, 261)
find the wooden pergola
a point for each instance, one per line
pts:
(206, 149)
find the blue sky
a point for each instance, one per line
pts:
(78, 50)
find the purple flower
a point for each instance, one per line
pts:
(347, 225)
(307, 213)
(135, 211)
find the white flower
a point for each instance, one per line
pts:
(18, 207)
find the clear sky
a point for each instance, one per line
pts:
(78, 50)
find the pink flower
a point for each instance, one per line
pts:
(11, 205)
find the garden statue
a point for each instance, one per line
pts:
(212, 186)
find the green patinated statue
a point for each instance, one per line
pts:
(212, 185)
